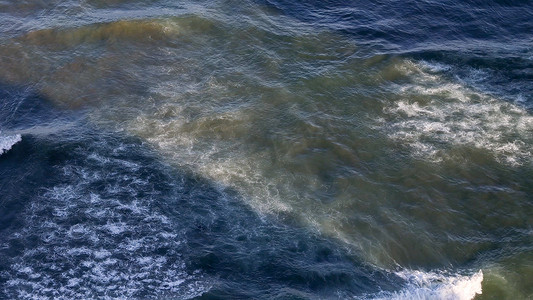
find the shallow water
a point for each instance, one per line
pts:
(266, 149)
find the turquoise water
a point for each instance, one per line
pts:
(266, 150)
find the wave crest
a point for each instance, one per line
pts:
(6, 142)
(430, 285)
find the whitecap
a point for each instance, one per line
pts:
(6, 142)
(433, 285)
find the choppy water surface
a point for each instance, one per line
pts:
(266, 149)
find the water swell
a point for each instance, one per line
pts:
(79, 66)
(410, 24)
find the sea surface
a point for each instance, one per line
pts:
(266, 149)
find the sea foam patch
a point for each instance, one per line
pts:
(434, 115)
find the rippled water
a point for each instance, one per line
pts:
(266, 149)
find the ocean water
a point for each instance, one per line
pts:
(266, 149)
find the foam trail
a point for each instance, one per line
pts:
(6, 142)
(430, 285)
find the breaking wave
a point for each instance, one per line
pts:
(429, 285)
(6, 142)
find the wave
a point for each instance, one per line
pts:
(430, 285)
(138, 31)
(130, 30)
(6, 142)
(79, 65)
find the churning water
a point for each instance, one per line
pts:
(266, 149)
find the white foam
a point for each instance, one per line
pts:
(438, 286)
(6, 142)
(434, 66)
(109, 253)
(435, 115)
